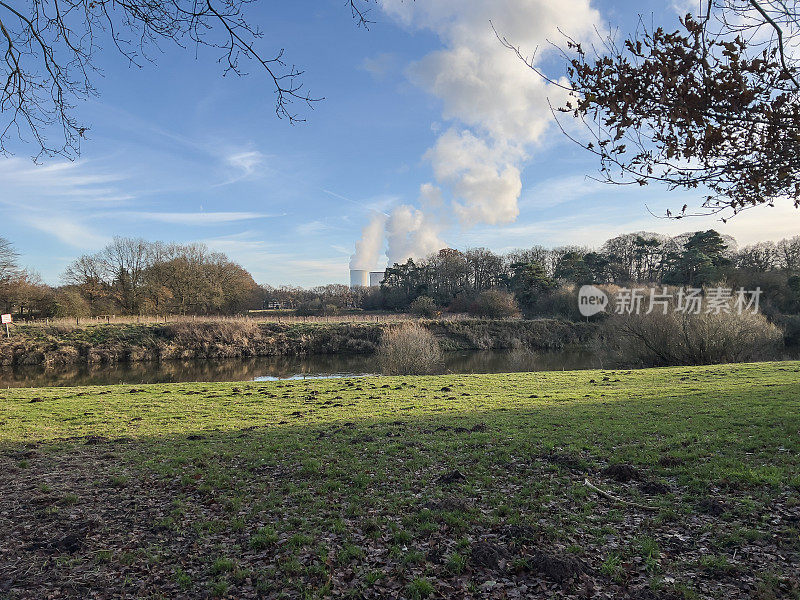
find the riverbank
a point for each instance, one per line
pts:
(60, 345)
(443, 486)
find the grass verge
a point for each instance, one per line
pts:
(408, 487)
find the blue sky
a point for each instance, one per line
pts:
(178, 153)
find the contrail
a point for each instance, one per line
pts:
(356, 202)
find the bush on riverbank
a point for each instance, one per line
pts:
(409, 349)
(658, 340)
(495, 304)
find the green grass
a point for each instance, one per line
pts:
(344, 486)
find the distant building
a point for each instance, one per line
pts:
(376, 278)
(275, 305)
(359, 278)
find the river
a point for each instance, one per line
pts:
(268, 368)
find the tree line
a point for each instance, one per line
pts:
(533, 277)
(132, 276)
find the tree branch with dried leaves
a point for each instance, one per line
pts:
(712, 106)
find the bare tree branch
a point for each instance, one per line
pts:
(47, 50)
(779, 32)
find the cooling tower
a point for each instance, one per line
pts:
(375, 278)
(359, 278)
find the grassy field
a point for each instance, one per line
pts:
(455, 486)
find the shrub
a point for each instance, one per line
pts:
(309, 308)
(496, 304)
(791, 329)
(424, 306)
(656, 339)
(409, 350)
(462, 302)
(562, 303)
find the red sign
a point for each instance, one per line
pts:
(5, 319)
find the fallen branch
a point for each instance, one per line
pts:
(614, 498)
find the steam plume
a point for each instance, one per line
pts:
(497, 107)
(368, 248)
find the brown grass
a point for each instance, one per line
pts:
(252, 317)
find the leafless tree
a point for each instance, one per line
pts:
(485, 268)
(125, 261)
(789, 254)
(48, 50)
(760, 257)
(8, 261)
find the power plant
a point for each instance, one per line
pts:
(376, 277)
(362, 278)
(359, 278)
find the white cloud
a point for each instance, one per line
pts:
(485, 182)
(498, 108)
(560, 190)
(593, 226)
(79, 182)
(480, 82)
(269, 263)
(411, 234)
(379, 66)
(194, 218)
(683, 7)
(312, 227)
(368, 248)
(246, 164)
(69, 230)
(246, 161)
(382, 203)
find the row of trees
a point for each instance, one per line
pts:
(20, 289)
(455, 279)
(321, 300)
(132, 276)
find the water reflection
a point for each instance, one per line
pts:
(283, 367)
